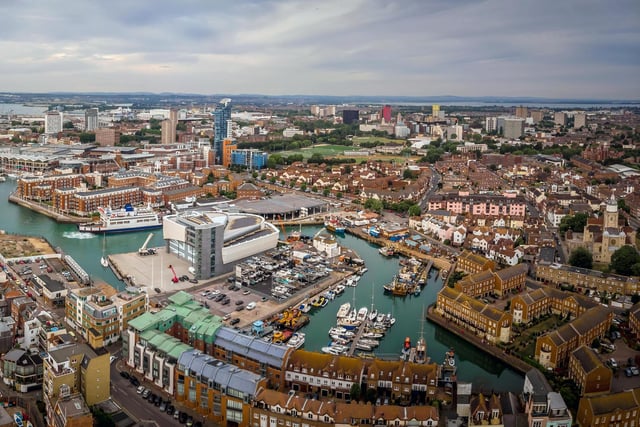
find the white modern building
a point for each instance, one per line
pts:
(212, 242)
(53, 122)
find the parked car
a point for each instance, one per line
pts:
(176, 415)
(613, 363)
(171, 409)
(124, 374)
(146, 393)
(140, 389)
(239, 302)
(247, 292)
(134, 381)
(234, 321)
(251, 306)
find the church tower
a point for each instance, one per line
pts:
(611, 213)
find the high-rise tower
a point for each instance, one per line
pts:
(222, 126)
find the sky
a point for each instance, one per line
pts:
(580, 49)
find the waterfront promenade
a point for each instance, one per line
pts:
(478, 342)
(47, 210)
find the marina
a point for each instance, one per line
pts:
(472, 363)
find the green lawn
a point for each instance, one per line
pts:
(325, 150)
(357, 140)
(525, 345)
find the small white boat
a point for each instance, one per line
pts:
(104, 262)
(362, 314)
(380, 317)
(339, 289)
(344, 309)
(296, 340)
(373, 314)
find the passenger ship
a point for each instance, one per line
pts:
(120, 221)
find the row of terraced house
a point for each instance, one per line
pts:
(229, 376)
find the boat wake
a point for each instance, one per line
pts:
(77, 235)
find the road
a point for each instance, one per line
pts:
(124, 393)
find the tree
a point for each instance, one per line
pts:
(581, 257)
(374, 205)
(355, 391)
(624, 261)
(414, 210)
(67, 125)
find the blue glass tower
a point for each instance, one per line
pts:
(221, 118)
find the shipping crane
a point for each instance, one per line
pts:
(144, 250)
(174, 279)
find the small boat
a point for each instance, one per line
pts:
(386, 251)
(336, 349)
(339, 289)
(380, 317)
(324, 302)
(317, 302)
(296, 340)
(362, 314)
(362, 346)
(344, 309)
(330, 295)
(337, 330)
(103, 260)
(421, 351)
(305, 308)
(373, 314)
(363, 270)
(334, 226)
(281, 336)
(372, 335)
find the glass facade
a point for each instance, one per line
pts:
(221, 119)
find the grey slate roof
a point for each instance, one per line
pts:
(251, 347)
(213, 370)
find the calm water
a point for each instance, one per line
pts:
(484, 371)
(473, 365)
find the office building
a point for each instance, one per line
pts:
(579, 120)
(90, 119)
(212, 242)
(435, 111)
(53, 122)
(537, 116)
(513, 128)
(350, 117)
(491, 124)
(228, 147)
(560, 118)
(168, 135)
(222, 127)
(107, 137)
(386, 113)
(522, 112)
(250, 158)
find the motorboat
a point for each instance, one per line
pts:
(344, 309)
(373, 314)
(362, 314)
(296, 340)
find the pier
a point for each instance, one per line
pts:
(439, 263)
(361, 329)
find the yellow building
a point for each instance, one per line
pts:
(482, 319)
(616, 409)
(71, 411)
(100, 315)
(553, 349)
(473, 263)
(582, 279)
(588, 372)
(73, 369)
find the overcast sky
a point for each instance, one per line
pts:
(543, 48)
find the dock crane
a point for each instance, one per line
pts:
(144, 250)
(174, 279)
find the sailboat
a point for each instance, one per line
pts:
(103, 260)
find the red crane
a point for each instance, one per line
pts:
(174, 279)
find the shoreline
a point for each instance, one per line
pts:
(36, 207)
(514, 362)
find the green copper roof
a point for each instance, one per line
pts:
(180, 298)
(143, 322)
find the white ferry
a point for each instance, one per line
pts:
(123, 220)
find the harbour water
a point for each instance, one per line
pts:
(486, 372)
(483, 370)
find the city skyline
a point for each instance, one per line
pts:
(494, 48)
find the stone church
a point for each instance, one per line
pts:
(607, 233)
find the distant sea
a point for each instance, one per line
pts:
(22, 109)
